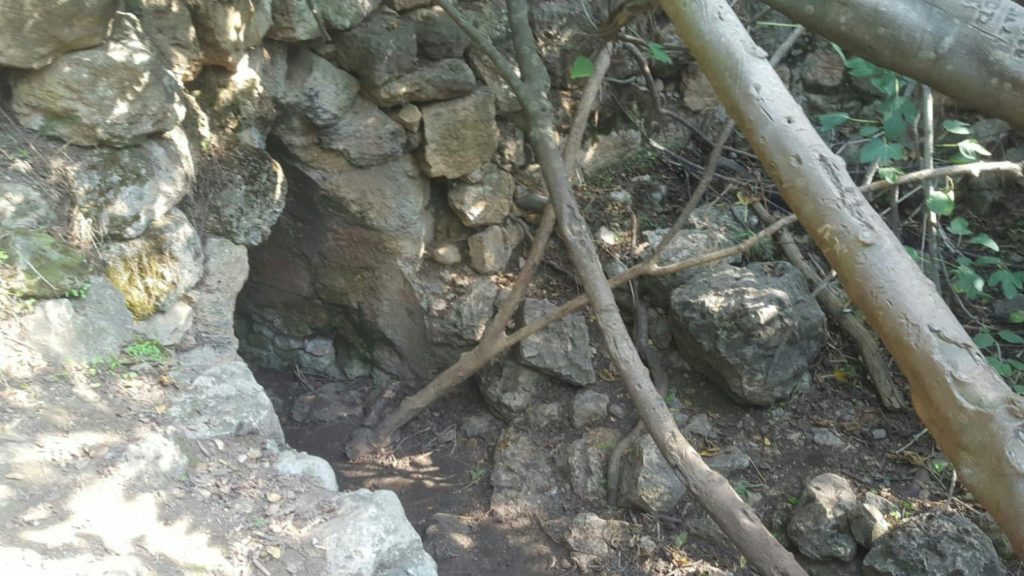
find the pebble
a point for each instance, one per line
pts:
(879, 434)
(826, 437)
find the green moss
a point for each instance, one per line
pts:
(145, 279)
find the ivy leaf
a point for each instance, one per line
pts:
(959, 227)
(833, 120)
(984, 340)
(658, 53)
(1010, 337)
(956, 127)
(988, 261)
(1017, 317)
(986, 241)
(881, 150)
(1009, 282)
(582, 67)
(972, 149)
(869, 131)
(941, 203)
(1001, 367)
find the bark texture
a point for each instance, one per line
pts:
(971, 51)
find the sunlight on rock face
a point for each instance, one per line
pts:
(103, 511)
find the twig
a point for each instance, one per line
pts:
(974, 170)
(912, 440)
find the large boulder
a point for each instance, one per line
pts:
(562, 349)
(752, 330)
(685, 245)
(460, 135)
(509, 388)
(33, 33)
(226, 400)
(437, 35)
(155, 269)
(586, 462)
(365, 135)
(239, 103)
(136, 97)
(227, 28)
(168, 26)
(86, 329)
(370, 535)
(226, 266)
(240, 194)
(124, 190)
(820, 524)
(934, 544)
(25, 201)
(458, 313)
(318, 89)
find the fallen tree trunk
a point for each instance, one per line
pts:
(973, 415)
(971, 51)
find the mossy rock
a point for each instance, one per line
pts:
(38, 265)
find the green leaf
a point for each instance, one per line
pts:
(869, 131)
(1010, 337)
(956, 127)
(872, 150)
(986, 241)
(582, 67)
(984, 340)
(1017, 317)
(972, 149)
(1003, 368)
(959, 227)
(833, 120)
(1007, 281)
(890, 173)
(941, 203)
(839, 51)
(988, 261)
(967, 282)
(914, 253)
(861, 68)
(658, 53)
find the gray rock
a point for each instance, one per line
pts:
(460, 135)
(293, 21)
(479, 425)
(25, 202)
(428, 82)
(92, 328)
(124, 190)
(522, 476)
(437, 35)
(449, 536)
(226, 400)
(332, 402)
(239, 107)
(486, 202)
(586, 462)
(879, 434)
(1003, 310)
(137, 96)
(410, 117)
(990, 131)
(240, 195)
(562, 349)
(753, 330)
(168, 26)
(41, 266)
(157, 268)
(227, 28)
(370, 535)
(317, 88)
(593, 540)
(33, 34)
(302, 464)
(589, 407)
(867, 521)
(403, 5)
(227, 267)
(647, 480)
(461, 320)
(505, 100)
(610, 150)
(822, 70)
(168, 328)
(509, 388)
(489, 251)
(379, 49)
(728, 461)
(934, 544)
(827, 438)
(820, 524)
(700, 425)
(447, 254)
(344, 14)
(365, 135)
(687, 244)
(546, 414)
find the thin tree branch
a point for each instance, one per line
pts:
(974, 170)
